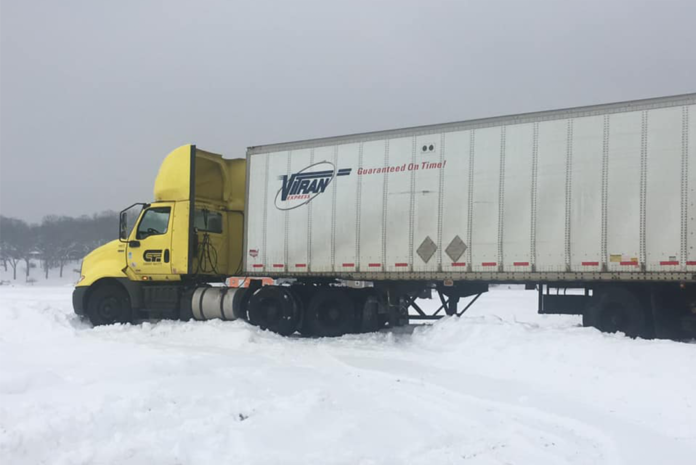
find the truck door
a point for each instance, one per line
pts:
(149, 247)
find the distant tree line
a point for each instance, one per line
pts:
(55, 242)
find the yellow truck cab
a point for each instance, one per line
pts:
(192, 233)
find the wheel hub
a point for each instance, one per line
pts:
(331, 314)
(109, 308)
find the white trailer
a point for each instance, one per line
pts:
(601, 198)
(605, 192)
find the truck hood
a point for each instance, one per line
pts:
(110, 248)
(109, 260)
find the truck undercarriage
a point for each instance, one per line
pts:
(328, 309)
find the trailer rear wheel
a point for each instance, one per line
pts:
(275, 309)
(331, 313)
(617, 309)
(370, 312)
(108, 304)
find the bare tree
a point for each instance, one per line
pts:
(16, 242)
(57, 241)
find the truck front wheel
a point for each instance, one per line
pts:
(108, 304)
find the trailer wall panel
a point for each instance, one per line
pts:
(321, 217)
(256, 203)
(551, 196)
(297, 243)
(398, 206)
(276, 220)
(425, 194)
(586, 194)
(455, 204)
(689, 152)
(347, 198)
(517, 202)
(623, 196)
(371, 206)
(486, 201)
(664, 166)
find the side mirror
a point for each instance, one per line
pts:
(123, 226)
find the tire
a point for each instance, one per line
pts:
(331, 313)
(240, 303)
(370, 315)
(670, 305)
(275, 309)
(617, 310)
(109, 304)
(302, 295)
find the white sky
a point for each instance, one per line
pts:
(93, 94)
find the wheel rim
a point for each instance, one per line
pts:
(270, 311)
(273, 310)
(267, 313)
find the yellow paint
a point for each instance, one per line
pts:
(173, 179)
(152, 247)
(107, 261)
(219, 187)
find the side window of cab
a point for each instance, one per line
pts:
(207, 221)
(155, 221)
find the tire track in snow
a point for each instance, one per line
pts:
(596, 447)
(612, 437)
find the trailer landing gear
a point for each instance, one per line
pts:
(449, 302)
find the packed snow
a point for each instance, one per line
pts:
(501, 385)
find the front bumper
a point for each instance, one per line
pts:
(78, 300)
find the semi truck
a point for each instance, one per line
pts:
(593, 208)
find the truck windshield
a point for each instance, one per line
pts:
(155, 221)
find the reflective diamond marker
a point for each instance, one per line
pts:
(426, 249)
(456, 248)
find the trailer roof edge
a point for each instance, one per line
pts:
(519, 118)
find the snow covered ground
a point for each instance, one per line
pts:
(501, 385)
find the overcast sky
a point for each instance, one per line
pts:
(95, 93)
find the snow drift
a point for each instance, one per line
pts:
(500, 385)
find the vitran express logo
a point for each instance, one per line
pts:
(301, 187)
